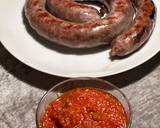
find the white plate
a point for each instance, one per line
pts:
(62, 61)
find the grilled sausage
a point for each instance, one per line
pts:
(79, 35)
(139, 32)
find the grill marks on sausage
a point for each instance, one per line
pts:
(79, 35)
(138, 33)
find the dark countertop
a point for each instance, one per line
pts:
(21, 88)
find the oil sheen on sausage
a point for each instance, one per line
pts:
(79, 35)
(72, 11)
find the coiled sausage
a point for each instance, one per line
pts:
(79, 35)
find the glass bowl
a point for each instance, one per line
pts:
(70, 84)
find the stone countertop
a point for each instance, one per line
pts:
(21, 88)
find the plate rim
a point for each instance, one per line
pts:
(97, 75)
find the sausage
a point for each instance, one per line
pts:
(79, 35)
(139, 32)
(72, 11)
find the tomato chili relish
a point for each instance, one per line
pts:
(85, 108)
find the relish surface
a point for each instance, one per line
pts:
(85, 108)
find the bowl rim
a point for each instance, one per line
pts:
(87, 78)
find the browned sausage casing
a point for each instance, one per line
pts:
(139, 32)
(72, 11)
(79, 35)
